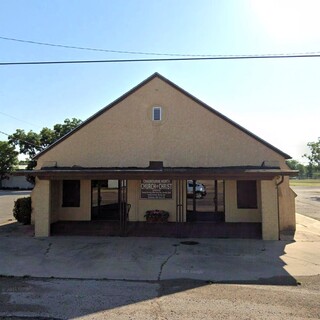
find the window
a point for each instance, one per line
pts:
(156, 114)
(71, 193)
(247, 194)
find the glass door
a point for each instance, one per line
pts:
(205, 200)
(105, 200)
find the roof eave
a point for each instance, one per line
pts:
(165, 173)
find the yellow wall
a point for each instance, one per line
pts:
(269, 208)
(232, 213)
(55, 200)
(41, 200)
(82, 213)
(287, 207)
(188, 136)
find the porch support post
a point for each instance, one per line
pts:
(41, 204)
(269, 210)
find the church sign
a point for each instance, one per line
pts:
(156, 189)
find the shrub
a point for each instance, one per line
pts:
(22, 210)
(157, 215)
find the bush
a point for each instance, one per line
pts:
(22, 210)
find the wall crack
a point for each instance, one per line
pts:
(48, 249)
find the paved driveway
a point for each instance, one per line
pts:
(152, 259)
(156, 258)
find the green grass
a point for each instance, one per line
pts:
(305, 183)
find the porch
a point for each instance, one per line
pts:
(246, 197)
(170, 229)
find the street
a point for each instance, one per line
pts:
(175, 299)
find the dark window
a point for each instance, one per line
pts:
(156, 114)
(71, 193)
(247, 194)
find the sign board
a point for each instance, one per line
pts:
(156, 189)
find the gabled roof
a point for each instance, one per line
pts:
(134, 89)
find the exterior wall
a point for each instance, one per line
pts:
(125, 136)
(16, 182)
(82, 213)
(287, 207)
(232, 213)
(41, 199)
(140, 206)
(55, 200)
(269, 208)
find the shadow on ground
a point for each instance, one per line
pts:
(16, 229)
(70, 298)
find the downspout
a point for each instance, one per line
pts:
(277, 185)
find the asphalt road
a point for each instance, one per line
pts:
(175, 299)
(308, 201)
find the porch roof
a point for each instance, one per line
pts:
(183, 173)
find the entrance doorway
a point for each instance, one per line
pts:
(105, 200)
(205, 200)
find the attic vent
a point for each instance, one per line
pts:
(156, 114)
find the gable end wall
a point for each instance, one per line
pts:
(188, 136)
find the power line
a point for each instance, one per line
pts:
(245, 57)
(213, 56)
(10, 116)
(27, 142)
(104, 50)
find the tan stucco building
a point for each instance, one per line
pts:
(157, 147)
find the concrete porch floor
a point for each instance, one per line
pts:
(167, 230)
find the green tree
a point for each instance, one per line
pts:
(30, 143)
(62, 129)
(314, 157)
(8, 159)
(296, 165)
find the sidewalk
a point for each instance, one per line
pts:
(152, 259)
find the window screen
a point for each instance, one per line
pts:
(71, 193)
(156, 114)
(247, 194)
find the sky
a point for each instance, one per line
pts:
(276, 99)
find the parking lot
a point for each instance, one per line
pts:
(308, 201)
